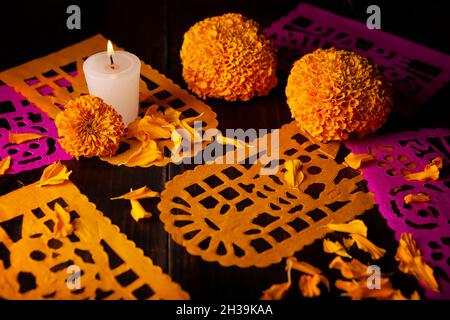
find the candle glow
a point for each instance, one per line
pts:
(110, 51)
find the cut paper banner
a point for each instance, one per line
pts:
(18, 115)
(237, 216)
(397, 155)
(49, 82)
(415, 71)
(95, 262)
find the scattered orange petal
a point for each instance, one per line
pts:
(420, 197)
(302, 266)
(138, 212)
(349, 270)
(54, 174)
(63, 226)
(4, 165)
(309, 285)
(366, 245)
(293, 175)
(411, 262)
(354, 160)
(276, 291)
(430, 172)
(348, 242)
(354, 226)
(335, 248)
(438, 162)
(174, 117)
(358, 290)
(138, 194)
(18, 138)
(308, 269)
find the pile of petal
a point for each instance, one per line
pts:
(228, 57)
(153, 129)
(334, 93)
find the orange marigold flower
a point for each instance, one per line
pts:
(89, 127)
(228, 57)
(334, 93)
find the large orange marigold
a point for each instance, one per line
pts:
(89, 127)
(228, 57)
(335, 93)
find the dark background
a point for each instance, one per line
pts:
(153, 30)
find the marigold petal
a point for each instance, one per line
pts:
(366, 245)
(411, 262)
(335, 248)
(354, 160)
(349, 270)
(419, 197)
(138, 212)
(54, 174)
(293, 175)
(5, 163)
(358, 290)
(309, 285)
(354, 226)
(63, 226)
(276, 291)
(138, 194)
(18, 138)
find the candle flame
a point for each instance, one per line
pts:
(110, 49)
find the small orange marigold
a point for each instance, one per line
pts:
(89, 127)
(334, 93)
(228, 57)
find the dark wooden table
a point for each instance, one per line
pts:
(154, 30)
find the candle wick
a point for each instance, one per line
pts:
(111, 59)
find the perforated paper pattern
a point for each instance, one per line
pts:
(232, 214)
(18, 115)
(49, 82)
(33, 262)
(416, 72)
(396, 155)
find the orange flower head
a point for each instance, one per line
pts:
(89, 127)
(336, 93)
(228, 57)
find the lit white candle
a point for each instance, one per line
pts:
(114, 77)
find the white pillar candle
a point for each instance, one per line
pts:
(114, 77)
